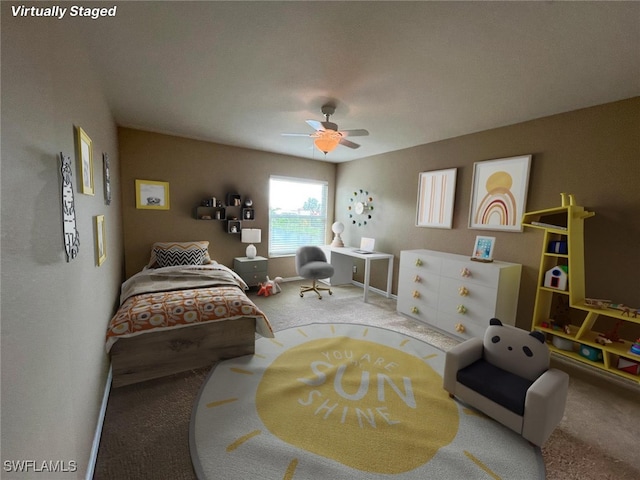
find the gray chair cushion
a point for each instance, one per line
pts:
(316, 270)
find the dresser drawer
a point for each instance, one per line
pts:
(419, 261)
(475, 272)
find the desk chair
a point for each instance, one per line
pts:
(311, 263)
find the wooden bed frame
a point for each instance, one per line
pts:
(158, 354)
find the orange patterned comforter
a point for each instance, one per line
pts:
(176, 308)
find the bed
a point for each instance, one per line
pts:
(182, 311)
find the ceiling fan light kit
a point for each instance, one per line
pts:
(327, 136)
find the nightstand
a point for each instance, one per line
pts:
(252, 270)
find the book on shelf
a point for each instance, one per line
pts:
(548, 225)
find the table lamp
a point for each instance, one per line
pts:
(337, 228)
(251, 236)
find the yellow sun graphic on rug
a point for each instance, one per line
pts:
(372, 405)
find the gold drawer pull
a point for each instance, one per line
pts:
(416, 294)
(414, 310)
(465, 272)
(461, 309)
(418, 262)
(463, 291)
(460, 328)
(417, 279)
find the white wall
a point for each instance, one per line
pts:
(54, 313)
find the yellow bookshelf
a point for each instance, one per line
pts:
(566, 224)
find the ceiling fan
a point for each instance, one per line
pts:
(327, 136)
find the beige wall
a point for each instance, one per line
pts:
(593, 153)
(196, 170)
(54, 313)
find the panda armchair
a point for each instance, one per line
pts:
(506, 376)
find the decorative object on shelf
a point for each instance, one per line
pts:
(499, 193)
(251, 236)
(248, 213)
(591, 353)
(85, 161)
(233, 200)
(436, 195)
(360, 208)
(483, 249)
(557, 246)
(626, 310)
(597, 302)
(635, 347)
(69, 228)
(337, 228)
(101, 240)
(152, 195)
(629, 366)
(234, 226)
(557, 277)
(106, 172)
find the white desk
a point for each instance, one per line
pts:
(342, 260)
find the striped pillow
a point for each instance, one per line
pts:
(166, 254)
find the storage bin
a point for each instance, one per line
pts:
(593, 354)
(562, 343)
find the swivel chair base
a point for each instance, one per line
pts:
(314, 288)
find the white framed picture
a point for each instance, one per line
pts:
(436, 195)
(483, 249)
(499, 193)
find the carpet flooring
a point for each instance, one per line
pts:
(146, 429)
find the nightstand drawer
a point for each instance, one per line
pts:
(252, 270)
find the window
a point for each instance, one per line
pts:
(297, 214)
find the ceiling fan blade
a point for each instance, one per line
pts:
(296, 134)
(361, 132)
(316, 125)
(347, 143)
(330, 126)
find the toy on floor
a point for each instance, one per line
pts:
(270, 287)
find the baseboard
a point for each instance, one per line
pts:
(93, 458)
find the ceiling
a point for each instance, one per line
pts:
(242, 73)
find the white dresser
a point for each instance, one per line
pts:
(455, 294)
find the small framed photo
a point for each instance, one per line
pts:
(101, 240)
(85, 160)
(483, 249)
(436, 194)
(152, 195)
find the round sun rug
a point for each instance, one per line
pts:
(346, 401)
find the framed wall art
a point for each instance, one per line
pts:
(69, 228)
(85, 160)
(106, 171)
(101, 240)
(436, 194)
(152, 195)
(499, 193)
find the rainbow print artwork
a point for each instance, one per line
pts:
(498, 207)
